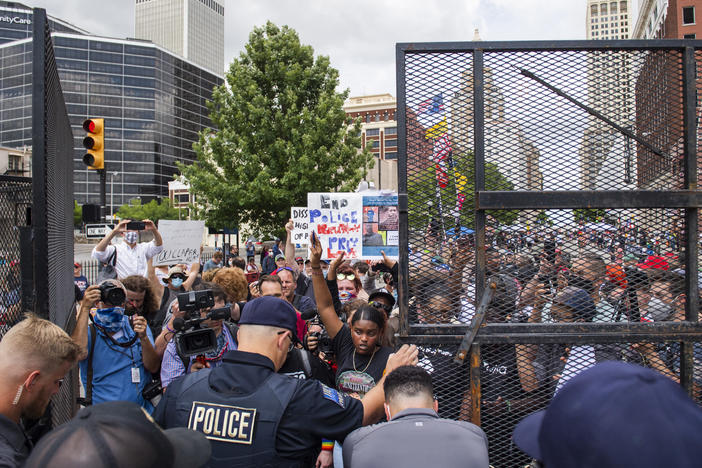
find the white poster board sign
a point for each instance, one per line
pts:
(301, 225)
(337, 218)
(181, 241)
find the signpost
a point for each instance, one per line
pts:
(97, 231)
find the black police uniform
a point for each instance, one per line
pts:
(255, 417)
(14, 444)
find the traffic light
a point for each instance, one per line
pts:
(94, 143)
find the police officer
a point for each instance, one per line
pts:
(256, 417)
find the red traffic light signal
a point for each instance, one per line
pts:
(93, 142)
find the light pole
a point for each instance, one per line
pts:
(112, 182)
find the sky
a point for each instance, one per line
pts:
(359, 36)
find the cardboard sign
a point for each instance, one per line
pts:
(336, 218)
(301, 222)
(381, 226)
(181, 241)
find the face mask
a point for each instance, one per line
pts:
(177, 282)
(346, 296)
(324, 272)
(582, 283)
(110, 318)
(130, 237)
(659, 310)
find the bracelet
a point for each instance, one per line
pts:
(170, 329)
(317, 273)
(327, 445)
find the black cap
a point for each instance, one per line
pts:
(115, 434)
(270, 311)
(382, 293)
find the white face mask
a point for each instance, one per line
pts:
(658, 309)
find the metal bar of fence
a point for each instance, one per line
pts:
(403, 286)
(567, 199)
(479, 135)
(530, 46)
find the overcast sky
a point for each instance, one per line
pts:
(359, 36)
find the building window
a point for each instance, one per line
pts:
(689, 36)
(688, 15)
(391, 142)
(622, 6)
(391, 155)
(391, 131)
(373, 132)
(376, 143)
(593, 10)
(14, 162)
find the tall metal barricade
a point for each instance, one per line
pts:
(562, 178)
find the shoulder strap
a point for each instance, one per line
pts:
(113, 258)
(233, 329)
(88, 400)
(305, 362)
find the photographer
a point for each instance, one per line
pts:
(130, 257)
(174, 364)
(117, 350)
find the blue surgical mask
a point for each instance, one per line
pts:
(324, 272)
(109, 318)
(177, 282)
(131, 237)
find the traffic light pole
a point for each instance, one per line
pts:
(103, 194)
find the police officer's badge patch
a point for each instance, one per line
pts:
(224, 423)
(333, 395)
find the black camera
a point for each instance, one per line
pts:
(112, 294)
(191, 338)
(195, 300)
(136, 226)
(324, 343)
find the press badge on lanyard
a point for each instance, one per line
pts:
(136, 375)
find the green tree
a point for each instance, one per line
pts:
(588, 215)
(424, 202)
(281, 132)
(77, 214)
(152, 210)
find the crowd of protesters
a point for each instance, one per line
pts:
(128, 338)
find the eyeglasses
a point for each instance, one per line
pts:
(380, 305)
(278, 270)
(292, 344)
(345, 276)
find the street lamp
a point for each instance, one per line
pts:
(112, 181)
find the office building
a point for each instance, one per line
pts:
(193, 29)
(379, 127)
(603, 156)
(153, 103)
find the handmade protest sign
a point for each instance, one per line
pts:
(301, 225)
(381, 226)
(181, 241)
(336, 218)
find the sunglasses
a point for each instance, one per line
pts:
(380, 305)
(278, 270)
(345, 276)
(178, 276)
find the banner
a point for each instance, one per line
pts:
(336, 218)
(381, 226)
(181, 241)
(301, 222)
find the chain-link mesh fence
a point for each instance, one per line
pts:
(564, 177)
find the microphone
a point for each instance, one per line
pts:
(308, 314)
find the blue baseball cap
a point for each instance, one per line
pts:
(615, 414)
(270, 311)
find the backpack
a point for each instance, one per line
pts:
(108, 269)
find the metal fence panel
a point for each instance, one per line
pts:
(562, 177)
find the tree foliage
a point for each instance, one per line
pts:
(152, 210)
(424, 200)
(588, 215)
(281, 132)
(77, 214)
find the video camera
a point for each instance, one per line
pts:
(191, 338)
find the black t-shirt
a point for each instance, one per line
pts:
(450, 380)
(369, 367)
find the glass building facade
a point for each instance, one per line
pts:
(153, 103)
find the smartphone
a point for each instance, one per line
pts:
(136, 226)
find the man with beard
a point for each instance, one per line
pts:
(34, 357)
(141, 300)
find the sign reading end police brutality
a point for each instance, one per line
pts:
(301, 225)
(336, 218)
(181, 241)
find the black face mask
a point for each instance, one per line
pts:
(582, 283)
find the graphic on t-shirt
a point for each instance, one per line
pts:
(355, 382)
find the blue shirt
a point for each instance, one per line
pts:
(112, 368)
